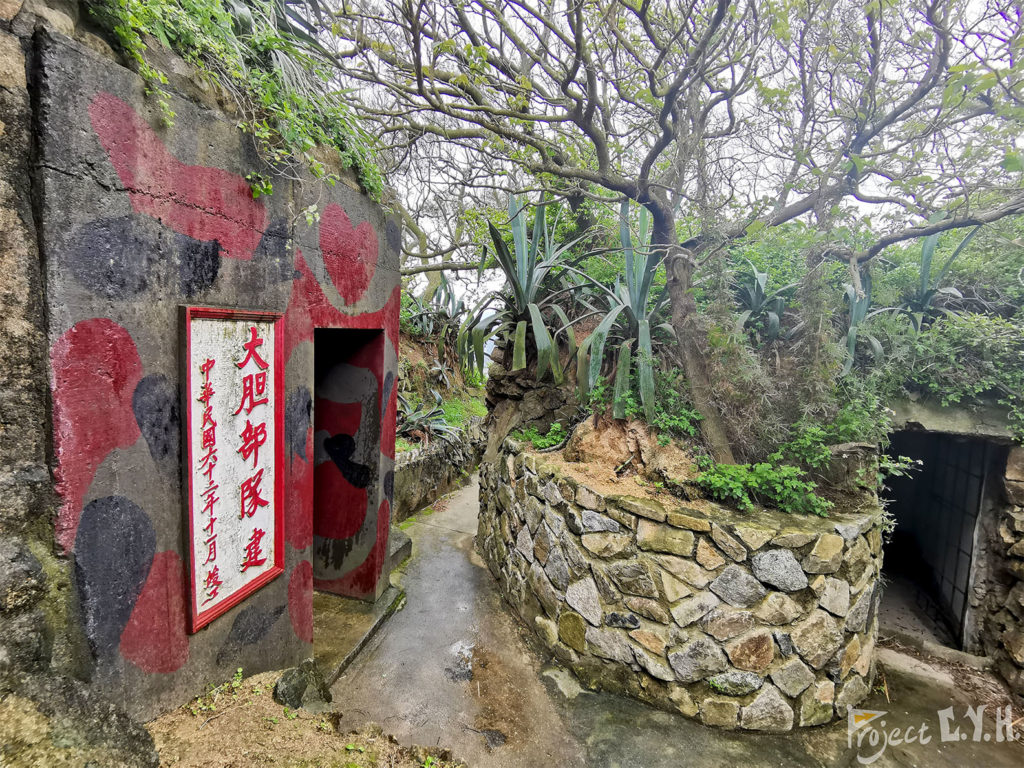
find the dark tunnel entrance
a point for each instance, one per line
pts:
(935, 563)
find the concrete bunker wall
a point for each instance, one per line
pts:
(762, 622)
(110, 222)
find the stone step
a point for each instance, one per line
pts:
(399, 549)
(343, 626)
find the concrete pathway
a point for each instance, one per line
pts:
(453, 668)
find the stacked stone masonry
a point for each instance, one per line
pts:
(424, 475)
(1003, 636)
(760, 621)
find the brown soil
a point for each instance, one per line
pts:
(615, 457)
(417, 355)
(248, 728)
(414, 351)
(601, 477)
(624, 457)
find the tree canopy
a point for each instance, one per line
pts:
(869, 124)
(745, 114)
(728, 115)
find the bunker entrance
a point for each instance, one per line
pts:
(348, 369)
(936, 563)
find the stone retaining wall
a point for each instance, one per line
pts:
(1003, 634)
(763, 621)
(423, 475)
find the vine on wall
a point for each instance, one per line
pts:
(278, 76)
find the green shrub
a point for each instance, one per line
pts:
(474, 378)
(279, 77)
(960, 359)
(460, 410)
(600, 396)
(674, 416)
(531, 435)
(673, 413)
(808, 446)
(965, 358)
(782, 486)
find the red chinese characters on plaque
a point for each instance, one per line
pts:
(235, 439)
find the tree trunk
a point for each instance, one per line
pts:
(679, 267)
(433, 283)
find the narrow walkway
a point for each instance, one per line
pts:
(453, 668)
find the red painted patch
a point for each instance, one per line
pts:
(309, 308)
(389, 424)
(194, 200)
(371, 357)
(154, 639)
(300, 601)
(362, 581)
(298, 527)
(350, 254)
(340, 506)
(96, 368)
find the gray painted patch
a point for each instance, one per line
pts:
(157, 409)
(114, 550)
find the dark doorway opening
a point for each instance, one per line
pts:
(351, 595)
(348, 366)
(934, 566)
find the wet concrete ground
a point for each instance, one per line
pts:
(908, 609)
(454, 668)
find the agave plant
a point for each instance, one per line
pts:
(755, 302)
(439, 318)
(417, 319)
(917, 306)
(424, 422)
(528, 294)
(628, 320)
(859, 303)
(443, 309)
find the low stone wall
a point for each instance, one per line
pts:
(760, 621)
(423, 475)
(1003, 634)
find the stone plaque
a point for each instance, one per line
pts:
(234, 384)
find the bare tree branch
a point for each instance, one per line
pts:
(450, 266)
